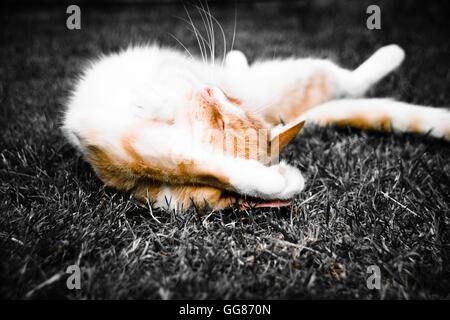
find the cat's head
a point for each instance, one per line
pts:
(231, 127)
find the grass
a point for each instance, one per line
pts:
(370, 199)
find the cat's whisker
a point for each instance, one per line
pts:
(234, 27)
(208, 33)
(212, 18)
(195, 29)
(209, 29)
(224, 40)
(204, 58)
(181, 43)
(209, 16)
(213, 35)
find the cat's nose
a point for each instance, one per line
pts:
(211, 91)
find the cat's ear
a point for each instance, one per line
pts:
(282, 136)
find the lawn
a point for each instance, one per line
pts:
(370, 199)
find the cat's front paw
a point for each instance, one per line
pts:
(293, 181)
(283, 182)
(280, 181)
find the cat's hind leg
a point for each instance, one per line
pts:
(383, 115)
(356, 83)
(280, 91)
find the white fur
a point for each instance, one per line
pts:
(119, 90)
(377, 66)
(403, 117)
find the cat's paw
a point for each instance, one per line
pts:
(256, 180)
(390, 57)
(280, 181)
(293, 181)
(236, 60)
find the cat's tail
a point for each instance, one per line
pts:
(382, 114)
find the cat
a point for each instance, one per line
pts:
(152, 121)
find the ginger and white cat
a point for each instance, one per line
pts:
(143, 119)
